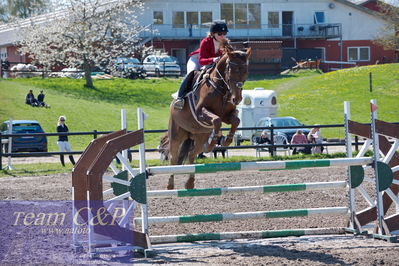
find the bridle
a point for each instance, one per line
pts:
(239, 84)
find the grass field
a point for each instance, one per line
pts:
(310, 96)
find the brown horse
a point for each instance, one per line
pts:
(216, 96)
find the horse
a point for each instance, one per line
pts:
(213, 101)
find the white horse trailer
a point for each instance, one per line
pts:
(256, 103)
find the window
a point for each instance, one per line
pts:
(242, 15)
(192, 18)
(272, 19)
(358, 53)
(158, 17)
(240, 11)
(206, 18)
(178, 19)
(226, 11)
(319, 17)
(254, 15)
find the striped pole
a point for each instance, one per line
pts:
(267, 165)
(244, 235)
(249, 189)
(245, 215)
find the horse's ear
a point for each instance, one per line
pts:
(248, 52)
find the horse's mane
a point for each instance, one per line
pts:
(226, 46)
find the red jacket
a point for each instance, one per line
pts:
(206, 51)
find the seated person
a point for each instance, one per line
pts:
(263, 140)
(315, 137)
(300, 138)
(40, 99)
(30, 99)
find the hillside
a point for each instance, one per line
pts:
(310, 96)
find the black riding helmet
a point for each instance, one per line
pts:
(218, 26)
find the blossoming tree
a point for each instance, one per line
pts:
(83, 34)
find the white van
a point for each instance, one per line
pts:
(255, 104)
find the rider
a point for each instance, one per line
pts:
(209, 52)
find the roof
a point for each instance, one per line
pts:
(361, 8)
(23, 121)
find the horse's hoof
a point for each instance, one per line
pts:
(169, 187)
(190, 184)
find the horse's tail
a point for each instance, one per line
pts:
(185, 148)
(164, 147)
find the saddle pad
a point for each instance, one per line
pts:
(192, 101)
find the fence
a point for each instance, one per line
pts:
(4, 139)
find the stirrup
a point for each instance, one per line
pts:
(179, 104)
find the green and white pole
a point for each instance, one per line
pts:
(218, 217)
(244, 235)
(250, 189)
(262, 165)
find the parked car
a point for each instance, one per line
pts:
(161, 65)
(129, 68)
(24, 143)
(287, 121)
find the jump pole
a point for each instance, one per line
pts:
(245, 166)
(250, 189)
(244, 235)
(219, 217)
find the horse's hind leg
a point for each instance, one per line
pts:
(199, 141)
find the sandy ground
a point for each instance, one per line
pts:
(306, 250)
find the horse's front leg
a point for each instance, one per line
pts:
(235, 122)
(216, 121)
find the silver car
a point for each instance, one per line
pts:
(161, 65)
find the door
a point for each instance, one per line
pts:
(180, 54)
(287, 20)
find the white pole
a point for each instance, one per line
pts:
(124, 155)
(124, 126)
(144, 211)
(376, 153)
(348, 145)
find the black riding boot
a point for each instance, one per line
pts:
(179, 103)
(62, 160)
(71, 159)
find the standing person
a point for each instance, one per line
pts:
(315, 137)
(300, 138)
(62, 142)
(208, 53)
(5, 66)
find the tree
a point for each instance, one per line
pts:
(22, 8)
(389, 36)
(83, 34)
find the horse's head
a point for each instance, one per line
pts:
(236, 70)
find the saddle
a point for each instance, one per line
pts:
(199, 76)
(193, 95)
